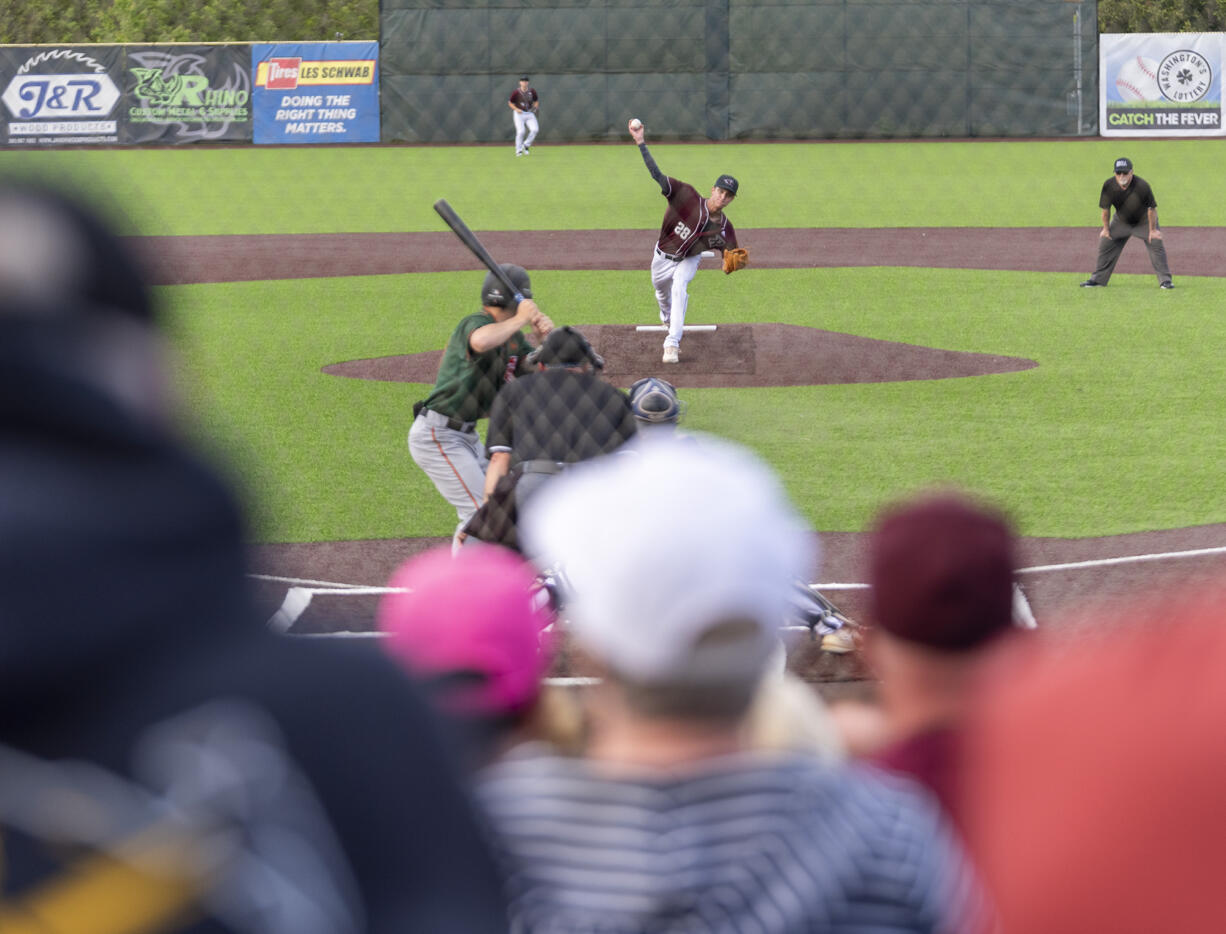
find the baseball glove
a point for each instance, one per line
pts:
(734, 259)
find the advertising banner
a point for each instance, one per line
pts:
(1161, 84)
(316, 92)
(60, 96)
(186, 94)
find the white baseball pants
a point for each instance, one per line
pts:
(526, 128)
(671, 279)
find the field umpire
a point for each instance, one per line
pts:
(1136, 215)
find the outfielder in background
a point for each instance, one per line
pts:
(1136, 215)
(691, 225)
(524, 103)
(485, 350)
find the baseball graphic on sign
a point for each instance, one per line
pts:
(1137, 80)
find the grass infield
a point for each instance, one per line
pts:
(1114, 432)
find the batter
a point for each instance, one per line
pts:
(486, 350)
(691, 224)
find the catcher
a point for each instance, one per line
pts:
(691, 225)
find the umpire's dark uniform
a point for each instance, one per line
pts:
(563, 414)
(1132, 206)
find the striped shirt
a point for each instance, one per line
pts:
(761, 845)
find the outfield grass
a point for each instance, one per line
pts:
(1115, 431)
(257, 190)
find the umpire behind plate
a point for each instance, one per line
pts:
(543, 422)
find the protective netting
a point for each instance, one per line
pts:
(738, 69)
(544, 422)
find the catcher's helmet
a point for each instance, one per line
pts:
(494, 293)
(654, 400)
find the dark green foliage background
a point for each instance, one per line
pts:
(29, 22)
(75, 21)
(1161, 15)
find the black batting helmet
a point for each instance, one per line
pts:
(494, 293)
(654, 400)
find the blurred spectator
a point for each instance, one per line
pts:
(941, 578)
(1093, 799)
(475, 628)
(787, 714)
(166, 763)
(655, 404)
(671, 823)
(485, 350)
(541, 424)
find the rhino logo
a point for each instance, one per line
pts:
(159, 90)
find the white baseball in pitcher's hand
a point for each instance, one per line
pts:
(636, 124)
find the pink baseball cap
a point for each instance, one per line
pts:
(475, 612)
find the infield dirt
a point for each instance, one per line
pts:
(751, 354)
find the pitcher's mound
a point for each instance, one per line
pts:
(736, 355)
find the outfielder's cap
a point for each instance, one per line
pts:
(728, 183)
(525, 78)
(566, 347)
(941, 572)
(674, 585)
(1123, 165)
(58, 256)
(471, 626)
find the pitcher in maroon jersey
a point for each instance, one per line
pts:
(692, 223)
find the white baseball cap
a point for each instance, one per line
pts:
(661, 546)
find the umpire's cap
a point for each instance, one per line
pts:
(566, 347)
(1123, 165)
(494, 293)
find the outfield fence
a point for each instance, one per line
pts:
(443, 70)
(741, 69)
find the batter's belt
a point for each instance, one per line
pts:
(439, 420)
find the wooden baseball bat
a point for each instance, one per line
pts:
(469, 239)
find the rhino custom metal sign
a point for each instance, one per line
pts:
(186, 95)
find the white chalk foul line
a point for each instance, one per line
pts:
(1127, 559)
(299, 581)
(298, 597)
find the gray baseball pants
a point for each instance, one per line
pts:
(1110, 248)
(454, 461)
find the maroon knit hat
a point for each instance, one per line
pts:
(941, 572)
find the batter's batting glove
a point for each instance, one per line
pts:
(734, 259)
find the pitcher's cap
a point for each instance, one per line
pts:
(728, 183)
(657, 572)
(1123, 165)
(475, 613)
